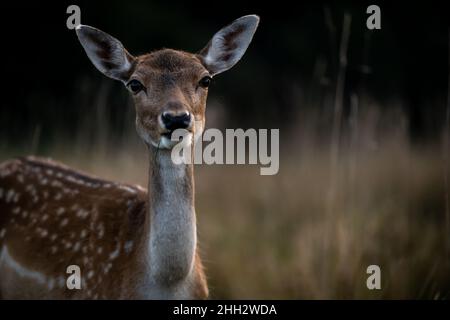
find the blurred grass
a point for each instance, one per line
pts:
(282, 237)
(272, 237)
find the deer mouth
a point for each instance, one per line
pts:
(167, 141)
(182, 133)
(167, 135)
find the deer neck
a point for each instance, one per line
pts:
(172, 240)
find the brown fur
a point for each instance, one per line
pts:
(112, 216)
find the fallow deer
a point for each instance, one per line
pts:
(129, 243)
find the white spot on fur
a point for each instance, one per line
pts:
(82, 182)
(20, 178)
(44, 207)
(64, 222)
(81, 213)
(76, 246)
(140, 188)
(107, 268)
(36, 169)
(113, 255)
(56, 184)
(128, 189)
(67, 191)
(128, 246)
(9, 195)
(30, 188)
(101, 230)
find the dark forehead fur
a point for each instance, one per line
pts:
(169, 60)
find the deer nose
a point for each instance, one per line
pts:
(174, 121)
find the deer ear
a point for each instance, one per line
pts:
(228, 45)
(106, 53)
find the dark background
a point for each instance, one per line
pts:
(47, 78)
(368, 186)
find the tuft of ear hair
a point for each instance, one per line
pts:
(228, 45)
(106, 52)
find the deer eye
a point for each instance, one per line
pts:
(135, 86)
(205, 82)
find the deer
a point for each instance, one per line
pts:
(128, 242)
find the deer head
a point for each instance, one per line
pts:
(169, 87)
